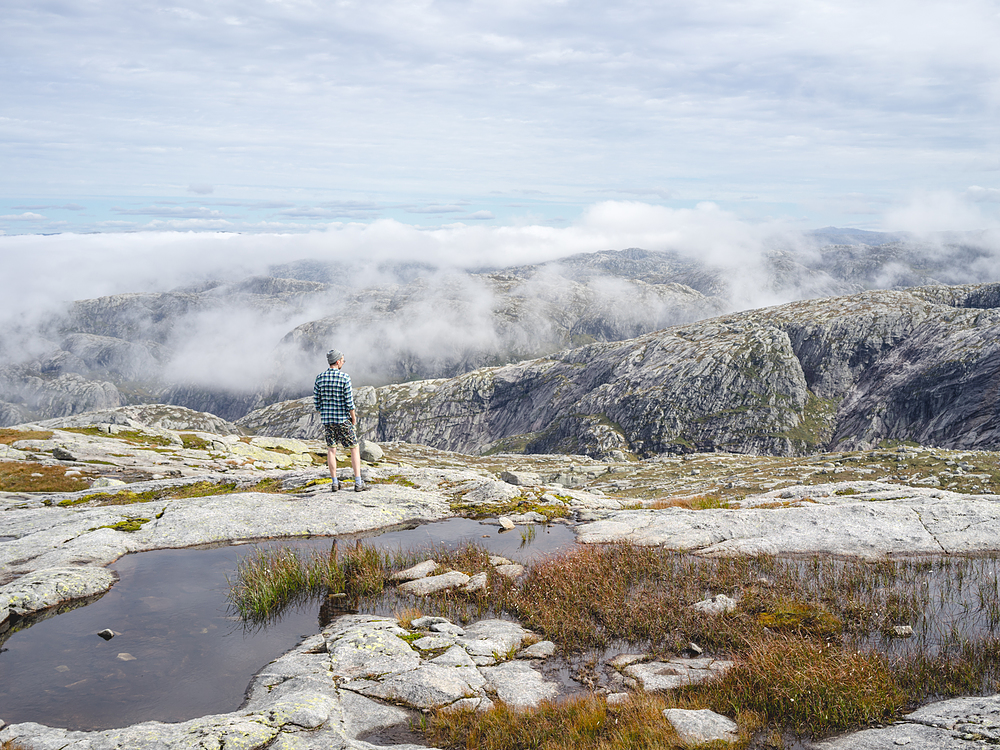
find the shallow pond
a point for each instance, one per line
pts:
(178, 653)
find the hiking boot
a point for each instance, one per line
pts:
(360, 486)
(335, 485)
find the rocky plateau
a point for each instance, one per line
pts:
(81, 491)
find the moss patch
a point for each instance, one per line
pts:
(134, 437)
(129, 524)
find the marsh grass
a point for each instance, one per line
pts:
(812, 639)
(582, 723)
(273, 578)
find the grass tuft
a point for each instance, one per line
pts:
(807, 685)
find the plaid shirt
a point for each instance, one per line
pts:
(332, 396)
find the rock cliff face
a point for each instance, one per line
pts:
(840, 373)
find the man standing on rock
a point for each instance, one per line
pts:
(335, 404)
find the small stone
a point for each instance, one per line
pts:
(902, 631)
(514, 570)
(497, 560)
(426, 622)
(505, 523)
(107, 482)
(701, 727)
(433, 584)
(540, 650)
(717, 605)
(615, 699)
(62, 454)
(126, 657)
(447, 628)
(62, 668)
(476, 583)
(420, 570)
(520, 478)
(370, 452)
(694, 648)
(74, 473)
(107, 634)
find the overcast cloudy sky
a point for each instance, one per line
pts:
(283, 115)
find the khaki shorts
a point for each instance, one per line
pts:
(342, 433)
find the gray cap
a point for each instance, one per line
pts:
(333, 356)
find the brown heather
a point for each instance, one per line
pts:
(20, 476)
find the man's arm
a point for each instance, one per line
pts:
(317, 399)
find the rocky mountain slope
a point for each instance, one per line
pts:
(232, 346)
(840, 373)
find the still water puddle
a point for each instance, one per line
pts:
(178, 653)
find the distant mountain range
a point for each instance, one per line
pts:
(231, 347)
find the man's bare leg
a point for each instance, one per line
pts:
(331, 461)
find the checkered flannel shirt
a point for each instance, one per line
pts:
(333, 397)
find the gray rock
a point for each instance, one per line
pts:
(107, 634)
(518, 685)
(657, 675)
(702, 726)
(62, 454)
(476, 583)
(371, 452)
(434, 584)
(514, 570)
(427, 621)
(46, 588)
(719, 604)
(520, 478)
(106, 482)
(489, 641)
(420, 570)
(505, 523)
(540, 650)
(447, 628)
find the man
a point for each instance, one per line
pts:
(335, 402)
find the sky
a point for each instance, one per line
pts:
(484, 118)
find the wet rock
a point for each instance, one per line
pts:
(126, 657)
(447, 628)
(420, 570)
(701, 727)
(902, 631)
(518, 685)
(488, 639)
(476, 583)
(540, 650)
(48, 587)
(107, 634)
(658, 675)
(514, 570)
(433, 584)
(505, 523)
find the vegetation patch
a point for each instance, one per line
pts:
(516, 506)
(394, 479)
(25, 476)
(195, 489)
(129, 524)
(8, 436)
(810, 638)
(193, 442)
(134, 437)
